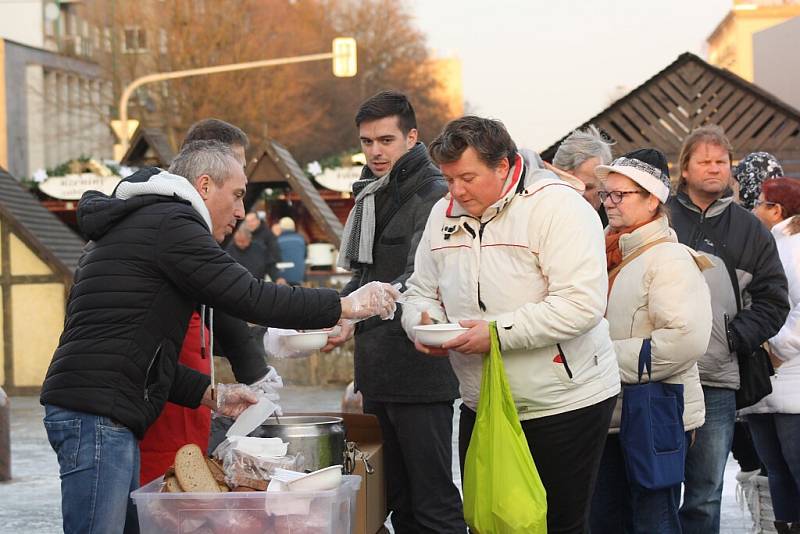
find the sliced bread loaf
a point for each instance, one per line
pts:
(171, 485)
(192, 471)
(216, 470)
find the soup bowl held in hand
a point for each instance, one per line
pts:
(435, 335)
(306, 341)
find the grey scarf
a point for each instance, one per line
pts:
(359, 230)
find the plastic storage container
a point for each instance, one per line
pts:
(257, 512)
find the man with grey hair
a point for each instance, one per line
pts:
(214, 171)
(578, 155)
(153, 257)
(234, 340)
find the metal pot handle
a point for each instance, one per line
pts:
(351, 455)
(349, 460)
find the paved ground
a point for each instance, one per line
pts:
(31, 501)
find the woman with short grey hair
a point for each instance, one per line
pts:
(580, 146)
(578, 155)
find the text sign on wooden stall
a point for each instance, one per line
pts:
(72, 186)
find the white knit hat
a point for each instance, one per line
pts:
(646, 166)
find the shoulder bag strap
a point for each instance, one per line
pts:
(645, 360)
(612, 275)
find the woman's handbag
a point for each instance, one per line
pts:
(754, 378)
(503, 493)
(651, 433)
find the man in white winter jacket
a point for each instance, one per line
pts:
(513, 243)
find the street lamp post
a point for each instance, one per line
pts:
(344, 65)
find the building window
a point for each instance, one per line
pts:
(163, 41)
(134, 40)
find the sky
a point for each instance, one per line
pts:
(546, 67)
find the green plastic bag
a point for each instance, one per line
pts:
(503, 493)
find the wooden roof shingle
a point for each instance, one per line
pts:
(38, 227)
(148, 147)
(690, 93)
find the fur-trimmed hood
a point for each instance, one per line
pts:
(97, 212)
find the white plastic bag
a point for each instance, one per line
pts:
(246, 459)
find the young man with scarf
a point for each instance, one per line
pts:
(410, 393)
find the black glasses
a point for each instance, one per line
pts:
(759, 202)
(617, 196)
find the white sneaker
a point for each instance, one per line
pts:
(746, 476)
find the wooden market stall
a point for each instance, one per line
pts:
(689, 93)
(38, 256)
(274, 166)
(148, 147)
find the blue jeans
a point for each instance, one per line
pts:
(620, 506)
(705, 463)
(777, 440)
(98, 463)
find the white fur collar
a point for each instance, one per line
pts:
(166, 184)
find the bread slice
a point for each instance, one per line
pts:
(253, 484)
(192, 471)
(171, 485)
(223, 487)
(216, 471)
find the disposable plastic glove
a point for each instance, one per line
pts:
(232, 399)
(374, 298)
(267, 386)
(270, 381)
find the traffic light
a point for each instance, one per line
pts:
(345, 63)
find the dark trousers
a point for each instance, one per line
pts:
(418, 458)
(777, 438)
(620, 506)
(566, 449)
(743, 449)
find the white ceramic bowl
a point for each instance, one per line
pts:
(434, 335)
(325, 479)
(305, 341)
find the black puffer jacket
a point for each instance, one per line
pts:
(242, 345)
(150, 262)
(730, 234)
(387, 366)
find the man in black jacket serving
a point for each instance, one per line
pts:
(153, 257)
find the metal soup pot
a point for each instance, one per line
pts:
(319, 438)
